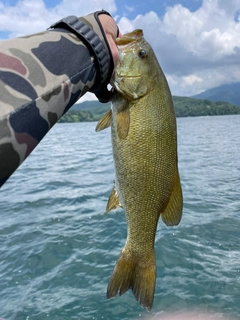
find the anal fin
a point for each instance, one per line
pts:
(173, 212)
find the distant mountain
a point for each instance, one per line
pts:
(228, 92)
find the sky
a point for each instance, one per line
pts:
(197, 42)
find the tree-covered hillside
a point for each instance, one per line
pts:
(189, 107)
(184, 107)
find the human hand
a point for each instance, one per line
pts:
(112, 32)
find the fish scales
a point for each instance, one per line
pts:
(144, 142)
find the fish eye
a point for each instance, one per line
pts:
(142, 53)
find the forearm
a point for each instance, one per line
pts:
(41, 77)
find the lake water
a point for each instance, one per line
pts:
(58, 248)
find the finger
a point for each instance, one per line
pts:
(114, 49)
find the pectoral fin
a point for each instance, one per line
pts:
(113, 201)
(104, 122)
(173, 212)
(123, 123)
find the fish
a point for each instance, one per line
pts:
(144, 146)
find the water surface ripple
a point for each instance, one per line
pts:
(58, 247)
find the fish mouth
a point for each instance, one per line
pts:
(125, 76)
(130, 37)
(116, 87)
(117, 78)
(122, 75)
(115, 82)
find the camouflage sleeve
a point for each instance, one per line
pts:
(41, 77)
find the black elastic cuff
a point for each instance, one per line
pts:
(91, 40)
(90, 31)
(102, 93)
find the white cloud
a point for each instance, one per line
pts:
(125, 25)
(210, 32)
(83, 7)
(197, 50)
(25, 17)
(29, 16)
(150, 22)
(191, 79)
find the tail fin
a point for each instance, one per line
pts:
(136, 273)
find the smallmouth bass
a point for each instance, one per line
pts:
(144, 143)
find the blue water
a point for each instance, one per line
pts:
(58, 248)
